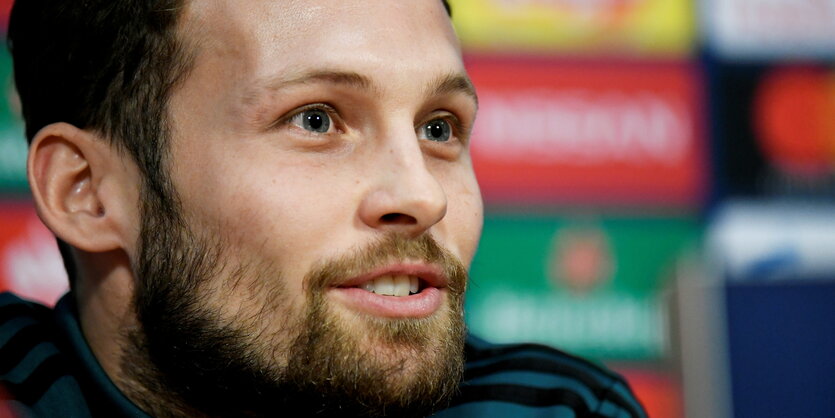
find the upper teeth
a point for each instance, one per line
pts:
(400, 285)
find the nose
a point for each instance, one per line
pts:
(405, 196)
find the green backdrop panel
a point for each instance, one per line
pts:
(590, 285)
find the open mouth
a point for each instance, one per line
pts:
(395, 291)
(394, 285)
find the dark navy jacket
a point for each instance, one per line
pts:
(47, 369)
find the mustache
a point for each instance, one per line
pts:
(388, 249)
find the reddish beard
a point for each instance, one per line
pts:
(188, 357)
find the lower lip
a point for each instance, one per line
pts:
(420, 305)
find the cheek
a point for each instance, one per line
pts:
(280, 211)
(465, 214)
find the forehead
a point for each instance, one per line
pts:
(265, 38)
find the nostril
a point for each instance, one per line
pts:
(398, 219)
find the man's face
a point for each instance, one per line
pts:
(319, 154)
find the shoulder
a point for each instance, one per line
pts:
(531, 379)
(34, 375)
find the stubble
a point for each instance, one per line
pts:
(192, 354)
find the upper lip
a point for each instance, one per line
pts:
(431, 275)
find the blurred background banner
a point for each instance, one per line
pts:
(774, 128)
(584, 27)
(556, 131)
(30, 264)
(757, 242)
(659, 181)
(593, 285)
(13, 149)
(770, 29)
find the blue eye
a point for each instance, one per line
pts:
(313, 120)
(437, 130)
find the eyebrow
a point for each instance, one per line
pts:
(347, 78)
(450, 83)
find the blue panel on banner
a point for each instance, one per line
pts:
(782, 348)
(773, 129)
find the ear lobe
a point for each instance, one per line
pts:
(68, 168)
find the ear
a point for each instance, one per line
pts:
(82, 189)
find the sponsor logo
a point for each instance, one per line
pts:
(581, 258)
(584, 127)
(557, 132)
(604, 326)
(592, 285)
(795, 120)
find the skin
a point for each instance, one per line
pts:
(293, 197)
(245, 170)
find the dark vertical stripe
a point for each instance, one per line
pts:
(523, 395)
(634, 408)
(13, 352)
(17, 310)
(475, 354)
(542, 365)
(33, 387)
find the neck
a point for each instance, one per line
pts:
(140, 380)
(104, 296)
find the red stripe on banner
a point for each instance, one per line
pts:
(550, 131)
